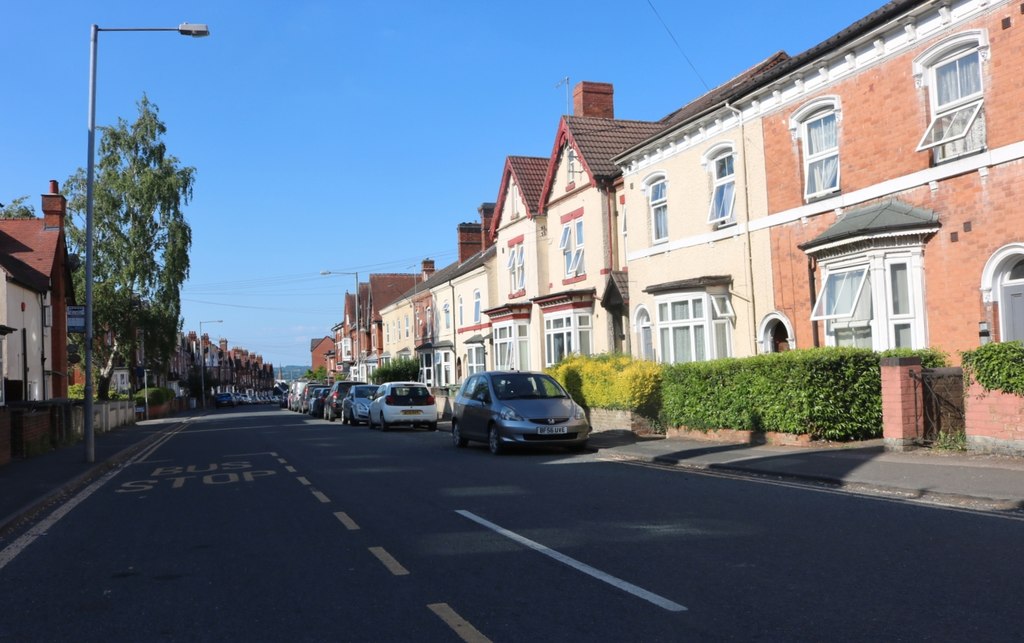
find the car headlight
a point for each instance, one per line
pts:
(578, 413)
(508, 413)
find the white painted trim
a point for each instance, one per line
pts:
(994, 267)
(975, 163)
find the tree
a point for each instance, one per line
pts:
(140, 243)
(319, 374)
(17, 209)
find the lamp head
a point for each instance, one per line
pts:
(193, 29)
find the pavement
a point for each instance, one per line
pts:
(974, 481)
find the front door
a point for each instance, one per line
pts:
(1013, 313)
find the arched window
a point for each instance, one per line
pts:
(817, 125)
(644, 334)
(656, 187)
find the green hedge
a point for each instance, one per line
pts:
(399, 370)
(611, 381)
(828, 393)
(997, 366)
(156, 396)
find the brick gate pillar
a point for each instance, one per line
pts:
(901, 404)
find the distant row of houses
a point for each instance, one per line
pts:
(35, 295)
(865, 192)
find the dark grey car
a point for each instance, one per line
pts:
(504, 408)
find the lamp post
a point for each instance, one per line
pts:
(202, 356)
(356, 275)
(185, 29)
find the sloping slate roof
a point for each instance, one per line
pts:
(27, 251)
(777, 66)
(473, 262)
(600, 139)
(723, 91)
(529, 172)
(874, 220)
(439, 277)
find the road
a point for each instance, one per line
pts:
(261, 524)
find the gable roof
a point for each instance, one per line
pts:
(385, 288)
(529, 172)
(28, 250)
(597, 141)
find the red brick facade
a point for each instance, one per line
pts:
(883, 117)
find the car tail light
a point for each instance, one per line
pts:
(389, 400)
(430, 399)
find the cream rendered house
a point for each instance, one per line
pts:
(699, 277)
(463, 328)
(560, 259)
(519, 267)
(397, 330)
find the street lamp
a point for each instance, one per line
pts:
(185, 29)
(356, 275)
(202, 356)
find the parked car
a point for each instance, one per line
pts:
(503, 408)
(332, 406)
(223, 399)
(316, 401)
(402, 403)
(302, 405)
(356, 404)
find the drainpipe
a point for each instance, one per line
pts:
(42, 343)
(746, 209)
(811, 269)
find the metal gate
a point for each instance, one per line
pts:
(940, 396)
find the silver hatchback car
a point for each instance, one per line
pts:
(504, 408)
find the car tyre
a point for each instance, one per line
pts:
(457, 439)
(383, 422)
(330, 414)
(344, 417)
(494, 441)
(577, 448)
(432, 426)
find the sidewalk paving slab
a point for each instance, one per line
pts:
(988, 481)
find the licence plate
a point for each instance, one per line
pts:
(410, 412)
(551, 430)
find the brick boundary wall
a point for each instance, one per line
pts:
(994, 420)
(900, 406)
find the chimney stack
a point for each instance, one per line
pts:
(55, 207)
(486, 211)
(593, 99)
(428, 268)
(470, 241)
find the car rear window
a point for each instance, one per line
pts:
(411, 394)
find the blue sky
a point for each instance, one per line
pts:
(352, 136)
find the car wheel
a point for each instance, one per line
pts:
(457, 438)
(577, 448)
(344, 417)
(494, 441)
(432, 426)
(383, 422)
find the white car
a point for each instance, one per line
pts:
(402, 403)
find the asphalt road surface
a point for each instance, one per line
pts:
(260, 524)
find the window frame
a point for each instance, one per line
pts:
(576, 331)
(657, 205)
(571, 244)
(811, 159)
(926, 67)
(722, 154)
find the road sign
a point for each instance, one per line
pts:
(76, 319)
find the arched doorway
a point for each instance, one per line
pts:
(776, 333)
